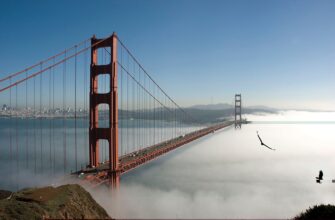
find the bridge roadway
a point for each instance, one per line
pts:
(99, 175)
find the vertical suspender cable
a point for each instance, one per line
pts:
(142, 116)
(180, 123)
(10, 124)
(104, 90)
(161, 115)
(104, 119)
(27, 122)
(85, 105)
(16, 140)
(127, 137)
(175, 122)
(75, 108)
(122, 107)
(107, 108)
(64, 119)
(154, 102)
(138, 111)
(146, 115)
(34, 118)
(160, 118)
(145, 122)
(164, 116)
(133, 110)
(50, 123)
(53, 118)
(101, 107)
(153, 112)
(40, 120)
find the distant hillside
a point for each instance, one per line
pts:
(219, 106)
(202, 113)
(263, 107)
(67, 201)
(224, 106)
(208, 116)
(220, 112)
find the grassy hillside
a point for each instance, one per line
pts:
(67, 201)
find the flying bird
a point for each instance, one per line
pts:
(263, 143)
(320, 177)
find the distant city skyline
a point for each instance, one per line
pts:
(275, 53)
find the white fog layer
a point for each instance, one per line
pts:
(228, 174)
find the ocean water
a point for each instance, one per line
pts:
(228, 174)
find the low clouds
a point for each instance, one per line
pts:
(230, 175)
(227, 174)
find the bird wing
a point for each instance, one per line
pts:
(259, 138)
(268, 147)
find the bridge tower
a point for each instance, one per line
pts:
(111, 99)
(238, 111)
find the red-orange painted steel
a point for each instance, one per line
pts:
(94, 116)
(101, 177)
(125, 167)
(111, 98)
(114, 122)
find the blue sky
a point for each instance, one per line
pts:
(276, 53)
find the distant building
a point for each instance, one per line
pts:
(4, 107)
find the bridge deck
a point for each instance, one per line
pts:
(130, 161)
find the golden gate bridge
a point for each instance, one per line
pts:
(92, 110)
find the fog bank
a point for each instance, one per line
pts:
(230, 175)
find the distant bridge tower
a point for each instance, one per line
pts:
(238, 111)
(110, 98)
